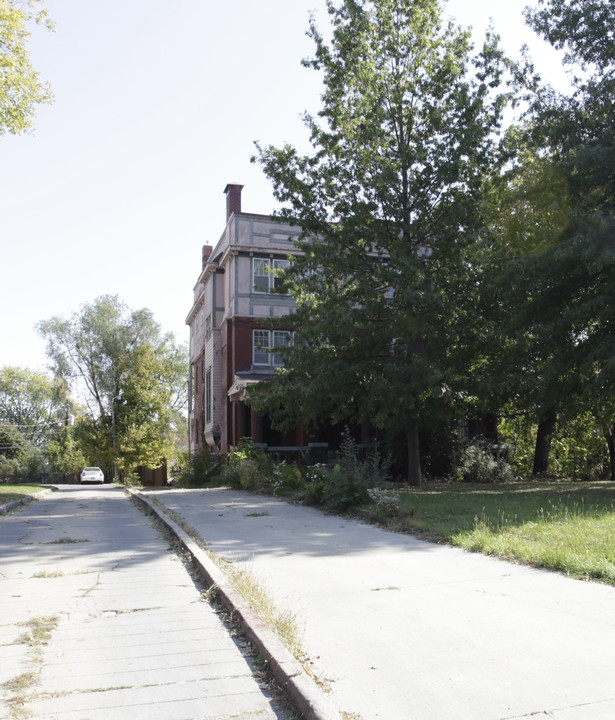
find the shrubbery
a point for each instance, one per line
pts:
(248, 468)
(479, 466)
(348, 482)
(578, 448)
(339, 488)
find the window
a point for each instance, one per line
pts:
(277, 281)
(265, 340)
(281, 339)
(260, 346)
(261, 275)
(208, 397)
(263, 280)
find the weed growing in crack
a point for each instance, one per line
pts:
(48, 574)
(38, 634)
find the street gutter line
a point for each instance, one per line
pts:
(307, 696)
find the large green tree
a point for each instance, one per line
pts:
(21, 88)
(574, 278)
(523, 370)
(389, 208)
(33, 403)
(130, 375)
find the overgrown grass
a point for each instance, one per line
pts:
(281, 621)
(10, 493)
(565, 526)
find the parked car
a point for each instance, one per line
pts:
(92, 474)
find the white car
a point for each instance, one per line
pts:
(92, 474)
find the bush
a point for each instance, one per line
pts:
(478, 466)
(340, 489)
(350, 479)
(578, 448)
(248, 468)
(200, 465)
(388, 501)
(316, 481)
(287, 479)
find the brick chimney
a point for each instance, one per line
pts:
(233, 199)
(207, 249)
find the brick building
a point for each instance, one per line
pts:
(234, 298)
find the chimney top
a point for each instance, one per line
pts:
(206, 253)
(233, 199)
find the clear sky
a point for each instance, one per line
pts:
(157, 105)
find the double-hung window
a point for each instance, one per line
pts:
(281, 339)
(263, 279)
(261, 275)
(265, 343)
(260, 347)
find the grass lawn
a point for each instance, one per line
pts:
(567, 526)
(9, 493)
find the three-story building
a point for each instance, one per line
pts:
(231, 340)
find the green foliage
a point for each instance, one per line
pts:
(340, 488)
(132, 479)
(585, 28)
(578, 448)
(17, 456)
(389, 209)
(569, 284)
(346, 485)
(132, 379)
(33, 402)
(317, 481)
(248, 467)
(21, 88)
(200, 464)
(388, 501)
(64, 453)
(561, 525)
(287, 479)
(479, 466)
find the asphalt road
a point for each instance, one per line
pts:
(408, 630)
(100, 619)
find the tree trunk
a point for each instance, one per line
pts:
(414, 453)
(610, 441)
(546, 426)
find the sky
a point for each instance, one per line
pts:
(157, 106)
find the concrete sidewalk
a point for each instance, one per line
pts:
(128, 633)
(408, 630)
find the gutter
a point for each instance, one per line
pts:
(309, 699)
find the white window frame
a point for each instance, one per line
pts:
(280, 338)
(279, 264)
(263, 279)
(260, 348)
(263, 344)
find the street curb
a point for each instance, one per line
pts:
(26, 499)
(311, 702)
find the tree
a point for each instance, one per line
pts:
(17, 455)
(65, 453)
(32, 402)
(523, 371)
(389, 208)
(132, 378)
(577, 274)
(21, 88)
